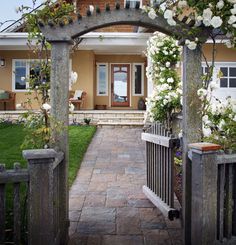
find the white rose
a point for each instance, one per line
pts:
(207, 13)
(205, 118)
(220, 4)
(152, 14)
(232, 1)
(182, 4)
(198, 21)
(167, 64)
(232, 19)
(207, 22)
(18, 106)
(221, 124)
(202, 92)
(171, 22)
(46, 107)
(206, 132)
(213, 85)
(228, 44)
(170, 80)
(168, 14)
(71, 107)
(216, 21)
(192, 45)
(233, 11)
(187, 42)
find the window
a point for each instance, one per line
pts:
(132, 3)
(138, 79)
(23, 70)
(227, 73)
(228, 77)
(102, 79)
(19, 75)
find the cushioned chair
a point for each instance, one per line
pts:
(77, 98)
(8, 98)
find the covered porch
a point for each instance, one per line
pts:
(110, 67)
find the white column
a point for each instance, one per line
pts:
(149, 80)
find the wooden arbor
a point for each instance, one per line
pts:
(61, 38)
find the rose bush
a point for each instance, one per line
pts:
(164, 54)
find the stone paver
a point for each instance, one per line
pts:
(107, 205)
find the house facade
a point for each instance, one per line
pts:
(110, 64)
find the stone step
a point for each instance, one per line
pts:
(121, 119)
(120, 124)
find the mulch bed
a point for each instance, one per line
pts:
(178, 183)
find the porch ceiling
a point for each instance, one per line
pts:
(99, 42)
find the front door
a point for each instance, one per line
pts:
(120, 79)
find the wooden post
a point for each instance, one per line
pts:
(41, 225)
(59, 95)
(192, 125)
(204, 193)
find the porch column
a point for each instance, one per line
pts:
(192, 125)
(60, 113)
(149, 81)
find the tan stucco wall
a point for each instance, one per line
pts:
(223, 54)
(83, 62)
(121, 59)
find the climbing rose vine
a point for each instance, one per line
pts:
(220, 15)
(164, 54)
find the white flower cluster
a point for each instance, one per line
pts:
(163, 53)
(216, 14)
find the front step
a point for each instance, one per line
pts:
(112, 118)
(120, 124)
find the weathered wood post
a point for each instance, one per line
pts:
(191, 126)
(41, 222)
(204, 193)
(59, 95)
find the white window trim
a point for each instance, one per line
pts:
(27, 61)
(97, 81)
(141, 2)
(133, 80)
(221, 64)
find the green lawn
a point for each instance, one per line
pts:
(11, 137)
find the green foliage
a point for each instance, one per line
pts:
(87, 120)
(220, 124)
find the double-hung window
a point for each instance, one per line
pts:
(102, 79)
(138, 79)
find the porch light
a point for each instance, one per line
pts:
(2, 62)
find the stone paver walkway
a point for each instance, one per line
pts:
(107, 206)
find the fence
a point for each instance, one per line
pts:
(160, 145)
(16, 177)
(213, 195)
(42, 176)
